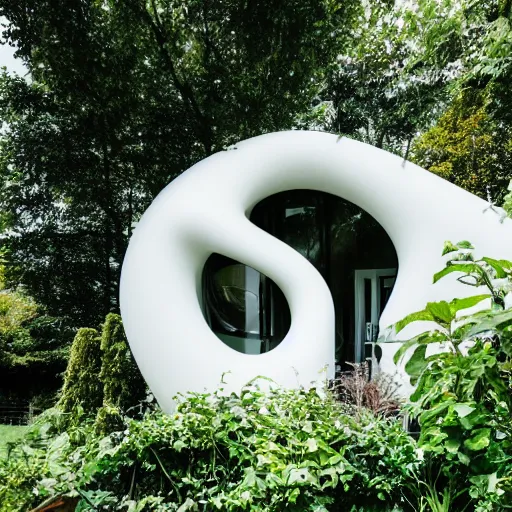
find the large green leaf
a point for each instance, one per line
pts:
(58, 445)
(449, 247)
(507, 264)
(425, 338)
(433, 413)
(464, 244)
(492, 322)
(492, 481)
(300, 475)
(474, 419)
(480, 439)
(475, 318)
(463, 410)
(406, 345)
(463, 458)
(466, 268)
(416, 363)
(413, 317)
(497, 266)
(452, 445)
(457, 305)
(441, 312)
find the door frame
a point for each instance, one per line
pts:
(359, 299)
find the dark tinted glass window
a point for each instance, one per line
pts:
(334, 235)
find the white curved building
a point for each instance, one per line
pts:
(286, 252)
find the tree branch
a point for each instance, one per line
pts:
(187, 94)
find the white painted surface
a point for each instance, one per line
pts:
(206, 210)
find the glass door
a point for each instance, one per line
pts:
(372, 290)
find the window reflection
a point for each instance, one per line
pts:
(238, 303)
(235, 306)
(301, 230)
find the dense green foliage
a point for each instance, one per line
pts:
(278, 450)
(15, 311)
(468, 147)
(463, 395)
(274, 449)
(123, 97)
(33, 347)
(376, 91)
(82, 390)
(9, 434)
(102, 379)
(468, 42)
(123, 385)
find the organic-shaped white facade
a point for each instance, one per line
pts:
(206, 211)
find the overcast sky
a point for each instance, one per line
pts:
(7, 58)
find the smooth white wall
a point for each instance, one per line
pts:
(206, 210)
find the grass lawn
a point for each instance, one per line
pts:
(9, 433)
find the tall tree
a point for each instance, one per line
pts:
(377, 90)
(125, 95)
(472, 41)
(469, 147)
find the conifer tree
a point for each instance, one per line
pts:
(123, 385)
(82, 391)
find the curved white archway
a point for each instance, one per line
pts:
(206, 210)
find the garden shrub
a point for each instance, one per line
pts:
(291, 450)
(378, 394)
(123, 385)
(82, 390)
(42, 458)
(463, 396)
(34, 347)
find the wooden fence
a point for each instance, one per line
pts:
(17, 413)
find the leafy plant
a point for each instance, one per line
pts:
(35, 464)
(123, 385)
(82, 390)
(468, 146)
(267, 450)
(34, 347)
(462, 397)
